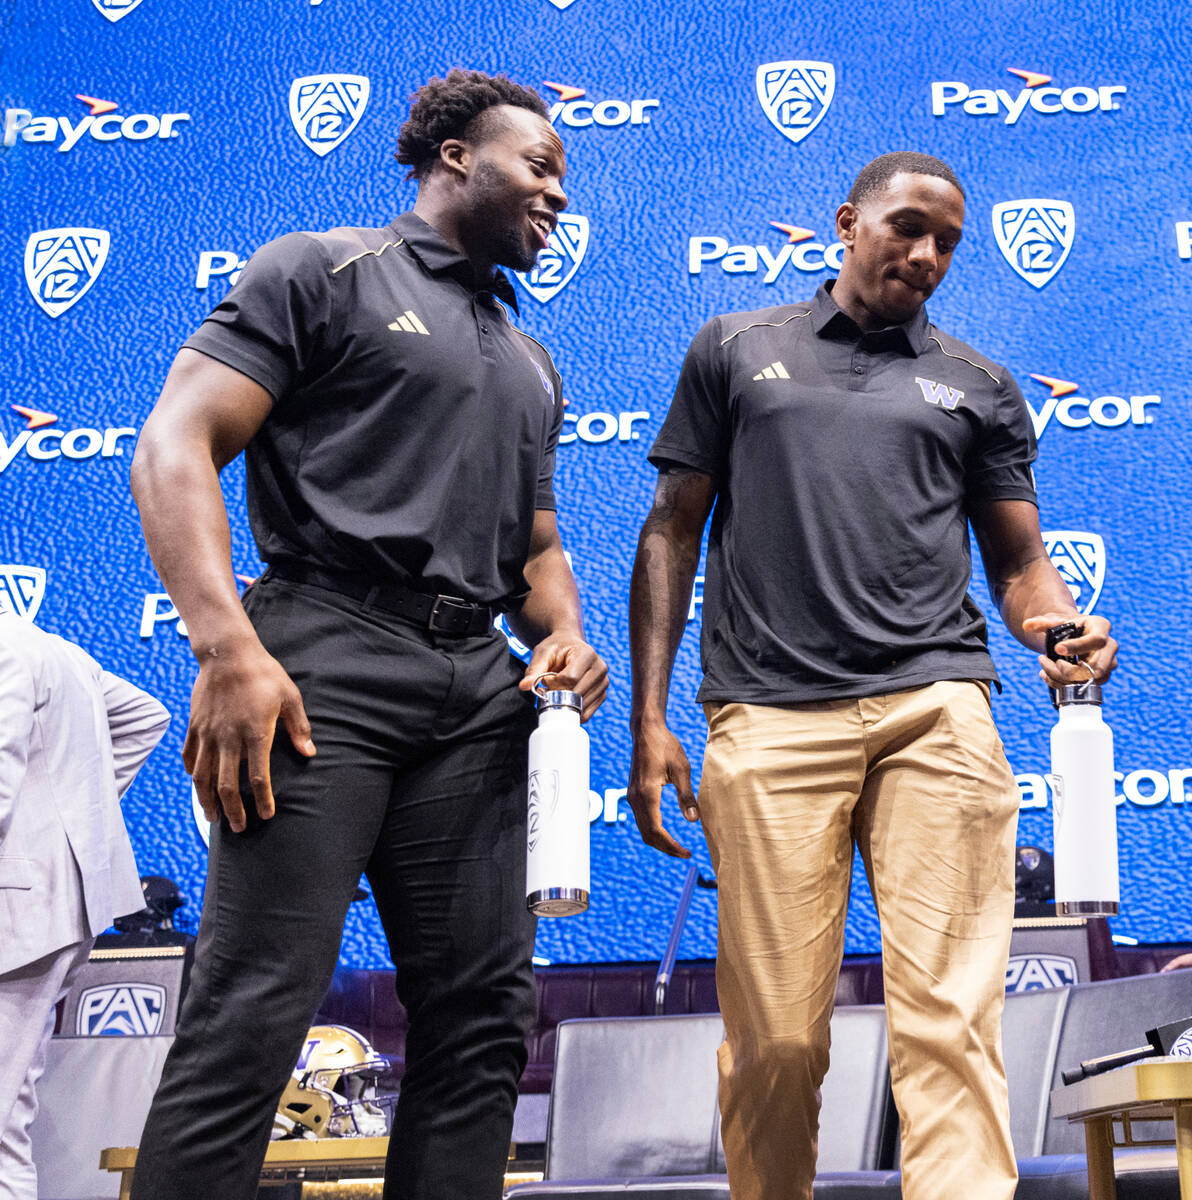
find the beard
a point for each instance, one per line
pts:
(498, 222)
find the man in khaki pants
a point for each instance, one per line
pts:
(847, 444)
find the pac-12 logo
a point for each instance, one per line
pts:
(326, 108)
(115, 9)
(22, 589)
(795, 95)
(544, 792)
(121, 1010)
(1035, 236)
(62, 264)
(1034, 972)
(1182, 1046)
(558, 263)
(1079, 557)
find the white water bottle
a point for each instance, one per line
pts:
(558, 875)
(1085, 816)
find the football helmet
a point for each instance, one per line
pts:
(332, 1091)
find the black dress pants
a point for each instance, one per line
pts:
(419, 782)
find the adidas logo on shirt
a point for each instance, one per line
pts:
(408, 323)
(773, 371)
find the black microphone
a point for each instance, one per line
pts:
(1159, 1043)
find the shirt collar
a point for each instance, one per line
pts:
(829, 320)
(431, 249)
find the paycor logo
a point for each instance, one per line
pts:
(574, 109)
(807, 256)
(42, 442)
(1046, 101)
(1074, 411)
(595, 428)
(102, 124)
(218, 264)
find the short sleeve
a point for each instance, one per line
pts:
(275, 318)
(999, 466)
(696, 430)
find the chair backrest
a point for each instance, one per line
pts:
(1031, 1026)
(1102, 1018)
(637, 1096)
(856, 1110)
(634, 1096)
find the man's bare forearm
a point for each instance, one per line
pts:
(552, 607)
(206, 415)
(1036, 587)
(186, 530)
(660, 589)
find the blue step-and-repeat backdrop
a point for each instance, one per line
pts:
(150, 145)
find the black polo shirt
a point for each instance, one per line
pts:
(845, 465)
(413, 430)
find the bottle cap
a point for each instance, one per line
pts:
(548, 699)
(1079, 693)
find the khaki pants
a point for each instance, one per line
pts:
(917, 780)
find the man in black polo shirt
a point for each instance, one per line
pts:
(400, 438)
(848, 443)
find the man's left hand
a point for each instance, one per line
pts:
(573, 666)
(1093, 647)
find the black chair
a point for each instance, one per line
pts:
(634, 1110)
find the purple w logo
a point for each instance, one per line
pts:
(939, 393)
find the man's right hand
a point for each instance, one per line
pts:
(238, 699)
(659, 759)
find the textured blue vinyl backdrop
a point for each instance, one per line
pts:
(679, 198)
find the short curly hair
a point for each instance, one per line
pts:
(445, 108)
(875, 176)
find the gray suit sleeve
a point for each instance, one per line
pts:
(16, 724)
(136, 722)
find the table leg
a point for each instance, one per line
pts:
(1098, 1144)
(1183, 1148)
(126, 1184)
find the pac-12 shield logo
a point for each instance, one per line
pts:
(795, 95)
(1182, 1046)
(1079, 557)
(544, 791)
(1033, 972)
(1035, 236)
(115, 9)
(62, 264)
(22, 589)
(326, 108)
(558, 263)
(121, 1010)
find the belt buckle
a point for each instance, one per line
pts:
(459, 614)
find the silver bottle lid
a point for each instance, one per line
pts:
(548, 699)
(1079, 693)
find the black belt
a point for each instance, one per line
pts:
(441, 614)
